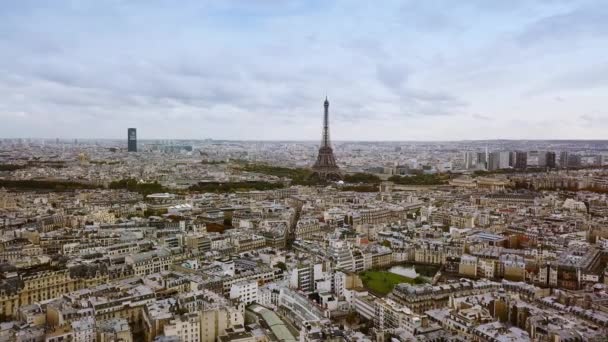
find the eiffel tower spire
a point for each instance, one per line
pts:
(325, 140)
(325, 167)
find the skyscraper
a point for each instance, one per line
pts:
(521, 160)
(542, 158)
(325, 167)
(498, 160)
(494, 161)
(470, 160)
(563, 159)
(574, 160)
(132, 140)
(551, 160)
(599, 160)
(482, 160)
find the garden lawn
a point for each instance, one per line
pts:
(382, 282)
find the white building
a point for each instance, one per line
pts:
(571, 204)
(303, 277)
(84, 330)
(149, 262)
(186, 327)
(298, 308)
(245, 291)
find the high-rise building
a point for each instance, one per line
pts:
(482, 160)
(574, 160)
(542, 158)
(325, 167)
(470, 160)
(498, 160)
(504, 160)
(551, 160)
(521, 160)
(533, 158)
(563, 159)
(132, 140)
(493, 161)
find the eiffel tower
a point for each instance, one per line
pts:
(325, 167)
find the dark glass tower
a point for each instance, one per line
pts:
(551, 160)
(325, 167)
(521, 160)
(132, 140)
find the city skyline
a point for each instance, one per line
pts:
(303, 170)
(257, 70)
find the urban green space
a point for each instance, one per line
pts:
(218, 187)
(44, 185)
(383, 282)
(298, 176)
(360, 188)
(135, 186)
(423, 179)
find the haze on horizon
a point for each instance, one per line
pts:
(260, 69)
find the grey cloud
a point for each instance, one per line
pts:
(591, 120)
(587, 118)
(595, 76)
(254, 62)
(392, 76)
(481, 117)
(206, 79)
(415, 101)
(422, 102)
(435, 97)
(429, 16)
(367, 46)
(168, 87)
(512, 5)
(583, 21)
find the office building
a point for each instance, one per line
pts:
(542, 158)
(521, 160)
(482, 160)
(498, 160)
(551, 160)
(470, 160)
(303, 277)
(132, 139)
(563, 159)
(574, 160)
(537, 158)
(245, 291)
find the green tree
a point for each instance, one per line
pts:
(131, 184)
(422, 179)
(360, 188)
(298, 176)
(360, 177)
(217, 187)
(352, 318)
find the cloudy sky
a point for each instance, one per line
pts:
(260, 69)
